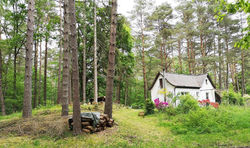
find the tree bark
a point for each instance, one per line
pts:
(143, 62)
(27, 107)
(203, 54)
(59, 85)
(118, 92)
(14, 81)
(193, 58)
(189, 57)
(1, 88)
(70, 78)
(40, 74)
(65, 79)
(126, 92)
(75, 71)
(220, 63)
(162, 66)
(227, 63)
(84, 57)
(111, 63)
(35, 81)
(45, 72)
(215, 67)
(179, 55)
(242, 72)
(95, 57)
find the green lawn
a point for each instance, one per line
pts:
(48, 129)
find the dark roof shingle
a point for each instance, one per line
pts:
(181, 80)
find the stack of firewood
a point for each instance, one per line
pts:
(104, 122)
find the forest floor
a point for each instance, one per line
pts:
(47, 129)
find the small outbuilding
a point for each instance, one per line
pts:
(199, 86)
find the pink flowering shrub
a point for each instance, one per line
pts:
(160, 105)
(206, 102)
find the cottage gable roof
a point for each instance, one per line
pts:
(184, 81)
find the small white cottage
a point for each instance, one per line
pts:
(199, 86)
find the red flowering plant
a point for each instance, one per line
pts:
(160, 105)
(207, 102)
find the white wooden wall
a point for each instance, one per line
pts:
(205, 88)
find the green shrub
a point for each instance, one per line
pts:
(171, 111)
(137, 105)
(149, 107)
(187, 103)
(204, 120)
(208, 121)
(231, 97)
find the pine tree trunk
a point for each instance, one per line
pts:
(40, 74)
(1, 88)
(227, 64)
(162, 56)
(45, 72)
(65, 79)
(143, 62)
(70, 77)
(188, 53)
(118, 92)
(95, 57)
(14, 80)
(242, 72)
(126, 92)
(192, 57)
(220, 63)
(179, 55)
(202, 54)
(27, 107)
(215, 67)
(75, 71)
(111, 63)
(59, 85)
(84, 57)
(35, 81)
(233, 75)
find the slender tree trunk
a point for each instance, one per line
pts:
(118, 92)
(192, 57)
(165, 56)
(111, 63)
(189, 55)
(162, 55)
(220, 63)
(179, 55)
(242, 72)
(202, 54)
(35, 66)
(95, 57)
(70, 78)
(143, 62)
(227, 63)
(126, 92)
(40, 75)
(14, 81)
(75, 71)
(27, 107)
(45, 72)
(1, 88)
(65, 79)
(84, 57)
(59, 85)
(233, 75)
(215, 67)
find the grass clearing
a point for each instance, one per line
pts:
(132, 131)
